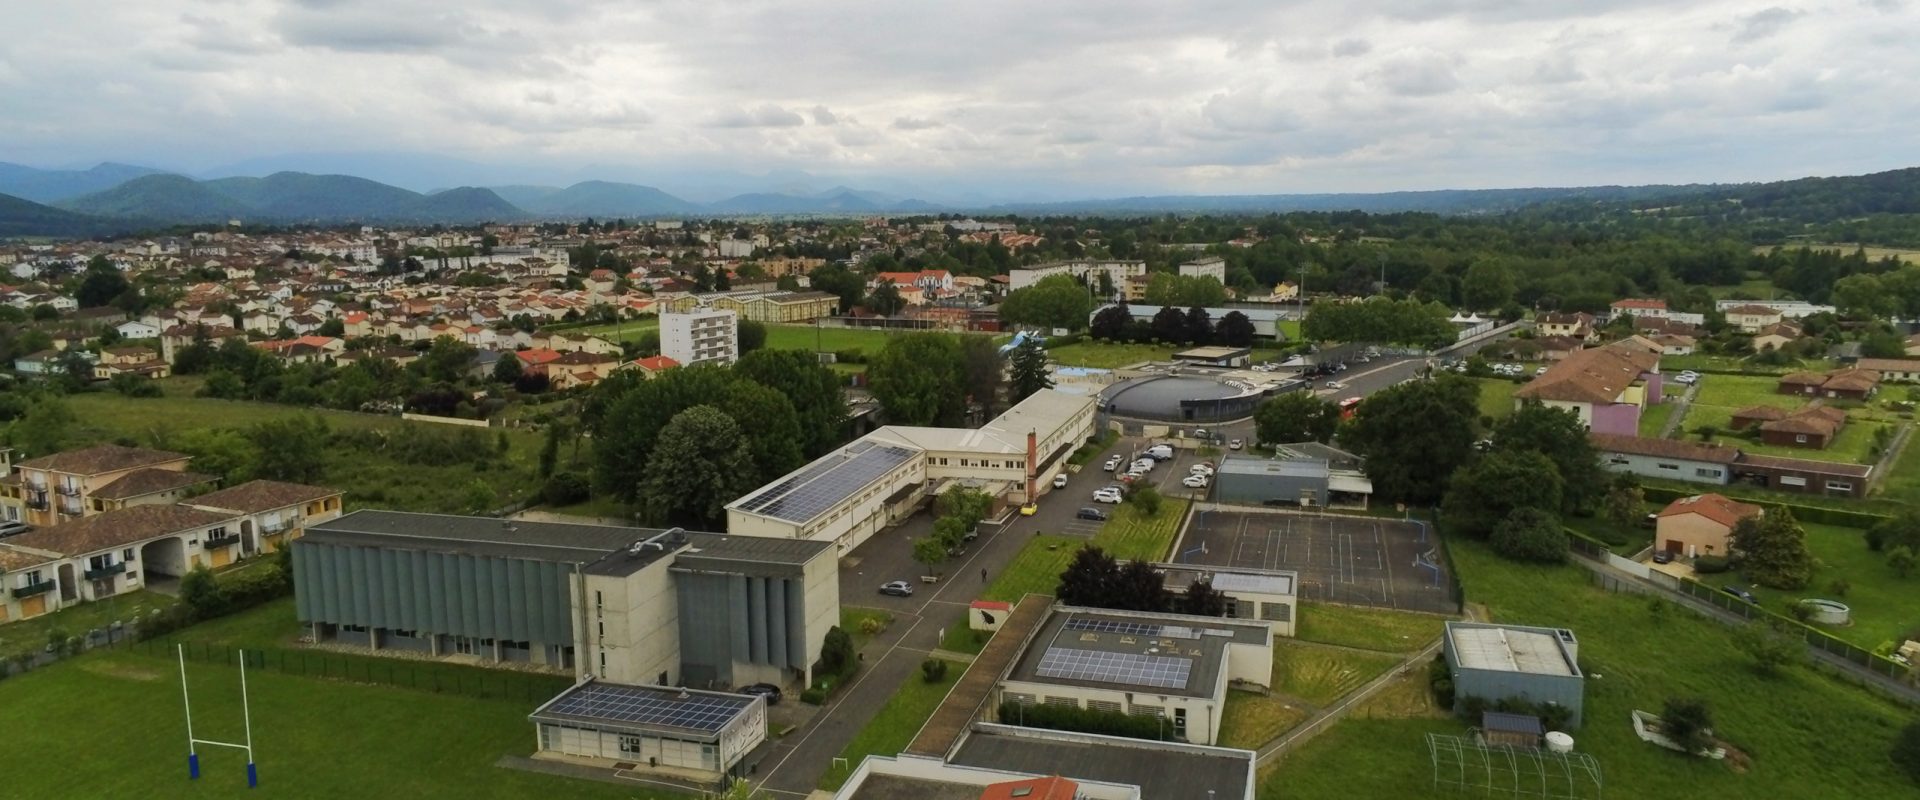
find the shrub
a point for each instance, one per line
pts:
(201, 592)
(1530, 534)
(1839, 587)
(1688, 723)
(1770, 648)
(1440, 679)
(565, 488)
(1084, 720)
(836, 653)
(1710, 565)
(1906, 751)
(1146, 499)
(933, 670)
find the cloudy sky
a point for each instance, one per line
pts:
(1061, 98)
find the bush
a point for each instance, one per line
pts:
(1146, 499)
(933, 670)
(1085, 720)
(201, 592)
(565, 488)
(1440, 679)
(1906, 751)
(1769, 646)
(1688, 723)
(836, 653)
(1530, 534)
(1839, 587)
(1711, 565)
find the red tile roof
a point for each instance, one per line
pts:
(1715, 507)
(1054, 788)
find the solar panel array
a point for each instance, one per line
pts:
(1125, 668)
(1131, 628)
(699, 712)
(824, 485)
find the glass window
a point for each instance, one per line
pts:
(1839, 486)
(1276, 612)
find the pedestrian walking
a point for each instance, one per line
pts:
(983, 574)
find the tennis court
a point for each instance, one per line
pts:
(1356, 560)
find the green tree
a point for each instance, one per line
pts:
(291, 449)
(1771, 647)
(1295, 417)
(507, 369)
(1530, 534)
(1773, 550)
(1029, 368)
(1688, 723)
(1624, 502)
(885, 299)
(1901, 559)
(46, 428)
(818, 400)
(1146, 499)
(1170, 289)
(919, 379)
(1490, 488)
(752, 336)
(1413, 436)
(770, 426)
(1487, 286)
(840, 282)
(446, 360)
(1559, 435)
(100, 287)
(701, 463)
(985, 371)
(1234, 330)
(1110, 323)
(1202, 600)
(478, 497)
(550, 448)
(929, 552)
(1057, 301)
(970, 505)
(200, 590)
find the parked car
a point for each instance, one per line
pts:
(1235, 444)
(1195, 482)
(1060, 481)
(1144, 465)
(1113, 463)
(1029, 509)
(1091, 513)
(13, 528)
(1160, 452)
(1109, 497)
(1741, 593)
(897, 589)
(1201, 469)
(1336, 385)
(1540, 371)
(1663, 556)
(766, 690)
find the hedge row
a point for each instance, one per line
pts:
(1085, 720)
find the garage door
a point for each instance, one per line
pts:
(222, 556)
(33, 606)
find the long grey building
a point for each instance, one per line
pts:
(629, 605)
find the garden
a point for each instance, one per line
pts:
(1720, 396)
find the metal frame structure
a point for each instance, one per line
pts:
(1500, 769)
(246, 715)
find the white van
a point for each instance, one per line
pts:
(1160, 452)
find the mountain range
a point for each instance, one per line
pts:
(118, 197)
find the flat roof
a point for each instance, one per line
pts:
(818, 487)
(1231, 579)
(1160, 769)
(1498, 648)
(645, 709)
(1300, 467)
(1170, 654)
(1213, 352)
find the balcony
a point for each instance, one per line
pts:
(73, 509)
(32, 589)
(37, 501)
(67, 491)
(108, 571)
(221, 540)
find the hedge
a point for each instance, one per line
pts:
(1814, 514)
(1085, 720)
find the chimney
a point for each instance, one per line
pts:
(1033, 462)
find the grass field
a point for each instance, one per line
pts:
(31, 635)
(1873, 253)
(1701, 361)
(898, 721)
(1037, 569)
(1250, 720)
(1633, 660)
(1653, 419)
(1367, 628)
(1321, 675)
(313, 738)
(1130, 536)
(863, 623)
(368, 479)
(629, 331)
(1720, 396)
(1882, 602)
(1901, 484)
(1496, 397)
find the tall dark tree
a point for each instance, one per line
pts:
(1491, 487)
(919, 379)
(818, 400)
(1773, 550)
(1170, 325)
(1296, 417)
(1202, 600)
(985, 371)
(752, 336)
(1413, 436)
(1559, 435)
(885, 299)
(1089, 580)
(1199, 326)
(1058, 301)
(1110, 323)
(702, 462)
(1029, 368)
(840, 282)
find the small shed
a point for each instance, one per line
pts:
(1517, 730)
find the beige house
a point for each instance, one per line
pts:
(98, 556)
(52, 489)
(1751, 318)
(272, 513)
(1701, 525)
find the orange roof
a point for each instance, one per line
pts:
(994, 605)
(537, 356)
(1638, 302)
(1712, 506)
(1054, 788)
(656, 363)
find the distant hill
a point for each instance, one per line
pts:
(527, 197)
(169, 198)
(52, 185)
(289, 197)
(844, 201)
(1443, 201)
(606, 199)
(21, 217)
(1800, 200)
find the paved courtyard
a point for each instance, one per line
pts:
(1355, 560)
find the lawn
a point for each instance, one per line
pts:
(1108, 355)
(1673, 365)
(1621, 539)
(1882, 602)
(1902, 481)
(863, 623)
(31, 635)
(625, 331)
(1037, 569)
(1132, 537)
(897, 723)
(369, 479)
(1809, 735)
(827, 340)
(1251, 719)
(960, 637)
(1321, 675)
(314, 738)
(1654, 418)
(1722, 395)
(1496, 397)
(1367, 628)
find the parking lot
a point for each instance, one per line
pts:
(1354, 560)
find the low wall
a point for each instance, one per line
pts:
(471, 423)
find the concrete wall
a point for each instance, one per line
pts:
(1616, 418)
(933, 769)
(1202, 713)
(1669, 468)
(1690, 535)
(632, 633)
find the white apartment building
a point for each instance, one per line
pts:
(1118, 271)
(1213, 267)
(700, 336)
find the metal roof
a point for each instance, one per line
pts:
(1534, 651)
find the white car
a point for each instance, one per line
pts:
(1195, 482)
(1109, 496)
(1687, 380)
(1145, 465)
(1060, 481)
(1335, 385)
(1540, 371)
(1113, 464)
(1200, 469)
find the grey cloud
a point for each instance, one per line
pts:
(823, 116)
(1762, 24)
(371, 33)
(914, 124)
(1416, 75)
(764, 116)
(1248, 112)
(1348, 48)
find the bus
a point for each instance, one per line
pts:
(1347, 406)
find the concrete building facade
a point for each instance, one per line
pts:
(701, 336)
(1500, 662)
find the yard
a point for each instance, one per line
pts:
(1306, 677)
(1250, 719)
(623, 331)
(315, 738)
(1722, 395)
(1634, 659)
(1673, 365)
(1367, 628)
(28, 636)
(1882, 602)
(897, 723)
(1653, 419)
(1128, 536)
(1496, 397)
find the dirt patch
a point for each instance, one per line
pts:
(1736, 759)
(116, 669)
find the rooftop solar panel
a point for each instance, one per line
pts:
(1123, 668)
(1130, 628)
(822, 486)
(644, 706)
